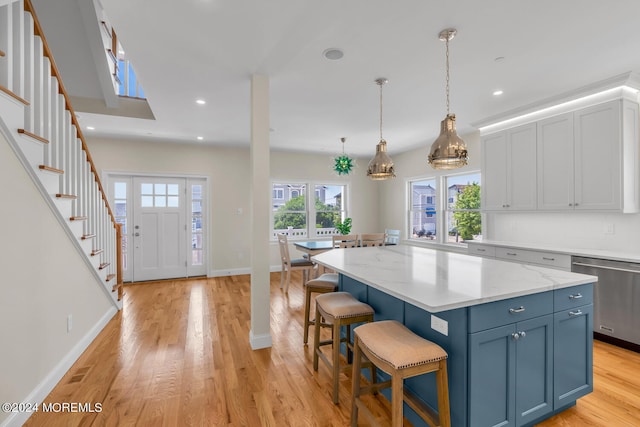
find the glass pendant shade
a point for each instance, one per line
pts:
(381, 166)
(448, 151)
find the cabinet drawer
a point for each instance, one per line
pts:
(548, 259)
(555, 260)
(481, 250)
(510, 254)
(575, 296)
(499, 313)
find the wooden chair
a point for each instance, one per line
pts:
(289, 265)
(345, 241)
(393, 348)
(393, 237)
(372, 239)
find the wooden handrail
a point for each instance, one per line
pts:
(37, 29)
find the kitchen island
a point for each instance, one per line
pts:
(519, 337)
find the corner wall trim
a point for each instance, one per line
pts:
(41, 391)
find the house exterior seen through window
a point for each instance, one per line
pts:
(307, 214)
(445, 209)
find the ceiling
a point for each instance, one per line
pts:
(208, 49)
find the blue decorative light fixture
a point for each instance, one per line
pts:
(343, 163)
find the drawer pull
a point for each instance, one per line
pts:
(519, 335)
(516, 310)
(511, 254)
(575, 313)
(576, 296)
(548, 259)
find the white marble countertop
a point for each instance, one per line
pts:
(437, 280)
(590, 253)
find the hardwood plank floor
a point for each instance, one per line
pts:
(178, 354)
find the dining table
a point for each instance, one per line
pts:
(314, 247)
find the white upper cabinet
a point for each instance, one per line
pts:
(555, 163)
(509, 169)
(587, 159)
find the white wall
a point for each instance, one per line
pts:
(229, 184)
(43, 280)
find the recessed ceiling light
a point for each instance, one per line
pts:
(90, 128)
(201, 101)
(497, 93)
(333, 53)
(200, 138)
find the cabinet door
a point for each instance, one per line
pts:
(573, 354)
(521, 168)
(534, 369)
(492, 377)
(598, 157)
(555, 163)
(494, 172)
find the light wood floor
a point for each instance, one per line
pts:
(178, 354)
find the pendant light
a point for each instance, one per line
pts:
(381, 166)
(448, 150)
(343, 164)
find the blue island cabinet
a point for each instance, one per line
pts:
(512, 362)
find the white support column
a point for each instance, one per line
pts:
(260, 334)
(46, 108)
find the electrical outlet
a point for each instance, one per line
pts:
(69, 322)
(440, 325)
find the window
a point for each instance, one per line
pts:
(120, 213)
(463, 210)
(295, 213)
(423, 209)
(197, 232)
(460, 196)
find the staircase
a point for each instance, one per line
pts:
(40, 125)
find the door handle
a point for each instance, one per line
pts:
(136, 234)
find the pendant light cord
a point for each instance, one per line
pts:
(447, 65)
(381, 110)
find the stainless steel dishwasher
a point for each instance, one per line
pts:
(616, 297)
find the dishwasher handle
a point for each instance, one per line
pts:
(604, 267)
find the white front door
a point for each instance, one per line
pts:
(159, 228)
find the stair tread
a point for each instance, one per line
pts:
(87, 236)
(78, 218)
(96, 252)
(104, 265)
(66, 196)
(13, 95)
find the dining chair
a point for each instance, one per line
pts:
(372, 239)
(393, 236)
(345, 241)
(289, 265)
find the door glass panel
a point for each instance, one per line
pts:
(146, 201)
(172, 189)
(197, 235)
(173, 201)
(160, 188)
(146, 188)
(161, 201)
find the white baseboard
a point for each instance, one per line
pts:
(259, 341)
(239, 271)
(51, 380)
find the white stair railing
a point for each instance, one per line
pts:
(62, 168)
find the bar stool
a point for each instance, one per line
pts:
(392, 347)
(327, 282)
(337, 309)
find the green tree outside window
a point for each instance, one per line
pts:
(468, 224)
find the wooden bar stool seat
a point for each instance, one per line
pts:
(326, 283)
(392, 347)
(337, 309)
